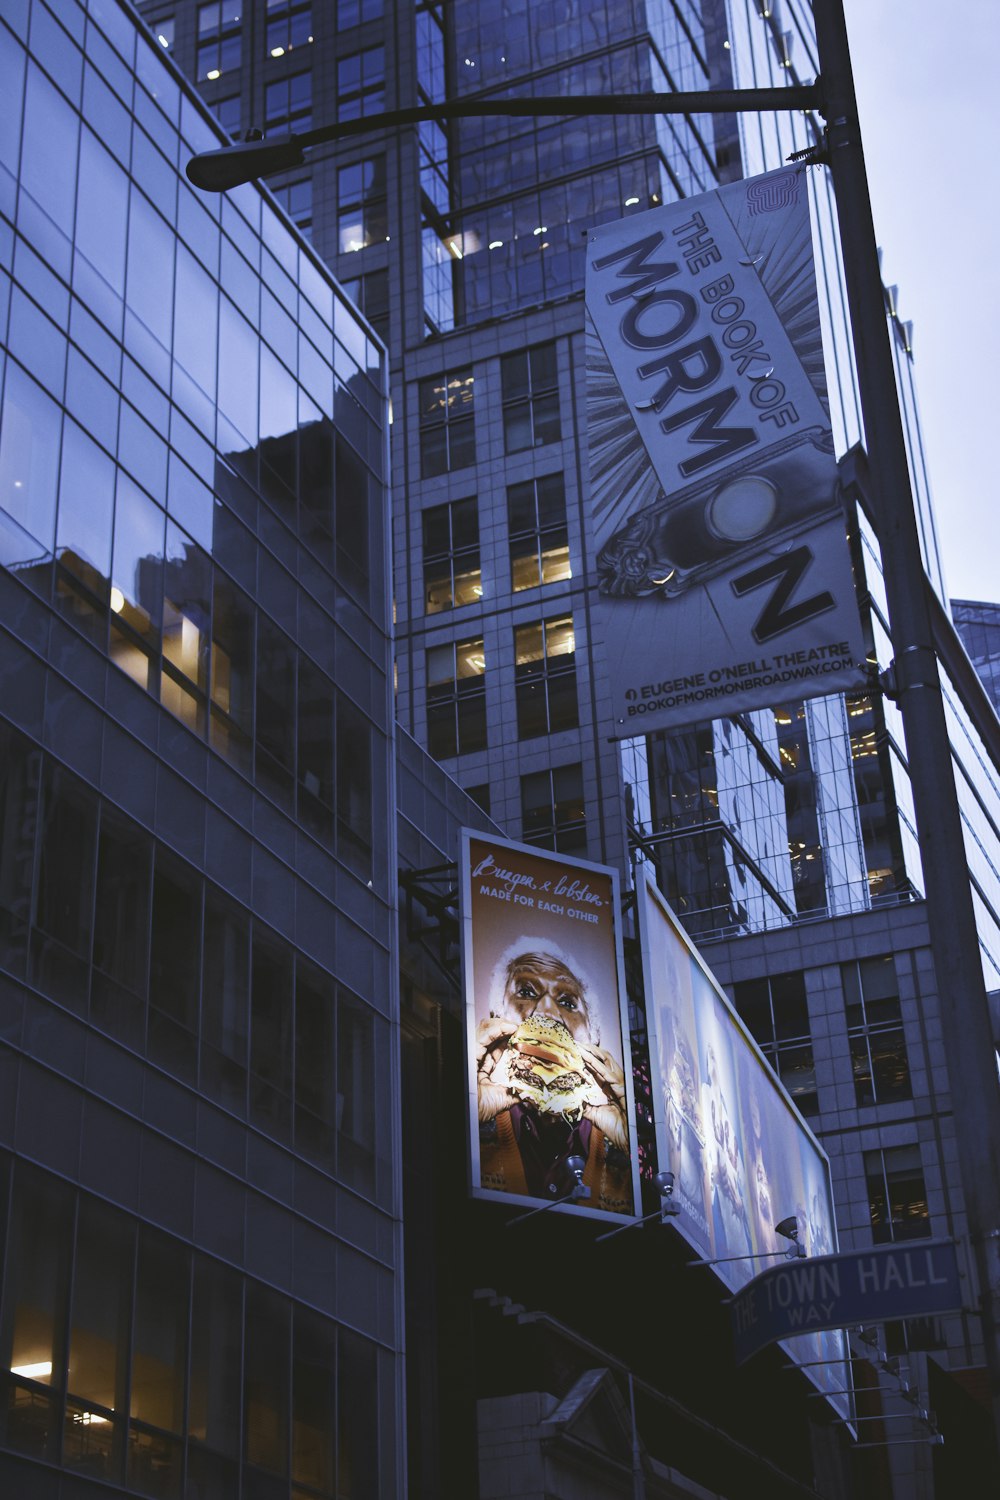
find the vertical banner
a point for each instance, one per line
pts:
(725, 579)
(743, 1158)
(550, 1072)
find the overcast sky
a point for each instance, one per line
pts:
(928, 86)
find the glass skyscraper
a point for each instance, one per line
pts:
(199, 1164)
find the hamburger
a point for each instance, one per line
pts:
(545, 1068)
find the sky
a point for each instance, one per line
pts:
(928, 88)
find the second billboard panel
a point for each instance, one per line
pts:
(550, 1070)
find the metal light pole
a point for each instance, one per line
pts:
(967, 1034)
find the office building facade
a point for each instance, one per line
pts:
(786, 840)
(978, 626)
(200, 1136)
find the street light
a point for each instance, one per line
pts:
(256, 156)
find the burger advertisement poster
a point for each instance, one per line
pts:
(550, 1072)
(743, 1158)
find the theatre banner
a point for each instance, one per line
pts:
(724, 574)
(743, 1158)
(550, 1071)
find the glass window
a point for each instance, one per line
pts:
(232, 667)
(271, 1035)
(225, 1001)
(229, 113)
(19, 773)
(354, 787)
(121, 927)
(29, 459)
(315, 797)
(159, 1361)
(452, 575)
(352, 482)
(164, 30)
(776, 1011)
(356, 1085)
(83, 531)
(274, 764)
(288, 103)
(357, 12)
(296, 198)
(447, 431)
(314, 1402)
(64, 897)
(357, 1416)
(35, 1310)
(267, 1379)
(875, 1031)
(361, 204)
(219, 38)
(174, 966)
(897, 1194)
(530, 398)
(315, 1063)
(539, 540)
(289, 25)
(456, 698)
(552, 809)
(216, 1364)
(187, 594)
(370, 293)
(137, 583)
(361, 83)
(102, 1288)
(545, 677)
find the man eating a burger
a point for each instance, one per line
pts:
(547, 1089)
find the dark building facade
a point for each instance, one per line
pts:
(199, 1117)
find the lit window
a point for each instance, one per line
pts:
(164, 31)
(545, 676)
(361, 207)
(452, 575)
(456, 698)
(896, 1194)
(219, 38)
(289, 25)
(447, 430)
(539, 542)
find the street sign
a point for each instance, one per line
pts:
(913, 1280)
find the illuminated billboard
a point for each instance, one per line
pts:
(743, 1158)
(550, 1073)
(724, 577)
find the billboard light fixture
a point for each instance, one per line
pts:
(789, 1230)
(575, 1166)
(668, 1209)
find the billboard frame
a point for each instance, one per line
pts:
(646, 888)
(576, 1208)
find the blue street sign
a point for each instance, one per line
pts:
(912, 1280)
